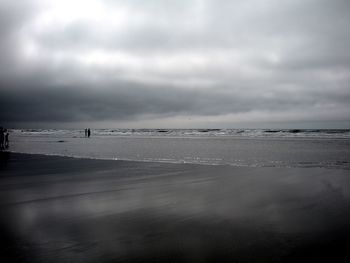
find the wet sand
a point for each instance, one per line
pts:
(60, 209)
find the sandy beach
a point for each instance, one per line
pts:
(61, 209)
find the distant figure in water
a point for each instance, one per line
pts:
(2, 138)
(88, 133)
(85, 132)
(7, 142)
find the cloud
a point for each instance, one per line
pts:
(65, 61)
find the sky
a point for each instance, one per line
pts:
(175, 64)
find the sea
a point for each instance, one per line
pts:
(324, 148)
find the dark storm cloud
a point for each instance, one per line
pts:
(55, 104)
(64, 61)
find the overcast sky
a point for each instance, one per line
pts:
(175, 63)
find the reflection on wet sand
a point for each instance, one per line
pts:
(63, 209)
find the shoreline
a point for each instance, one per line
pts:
(333, 154)
(333, 166)
(68, 209)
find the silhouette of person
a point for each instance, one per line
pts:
(7, 142)
(2, 138)
(85, 132)
(88, 133)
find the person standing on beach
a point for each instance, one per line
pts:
(2, 138)
(88, 133)
(85, 132)
(7, 142)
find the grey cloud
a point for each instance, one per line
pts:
(130, 100)
(304, 34)
(289, 56)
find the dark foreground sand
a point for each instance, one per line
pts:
(58, 209)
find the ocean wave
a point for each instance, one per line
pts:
(249, 133)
